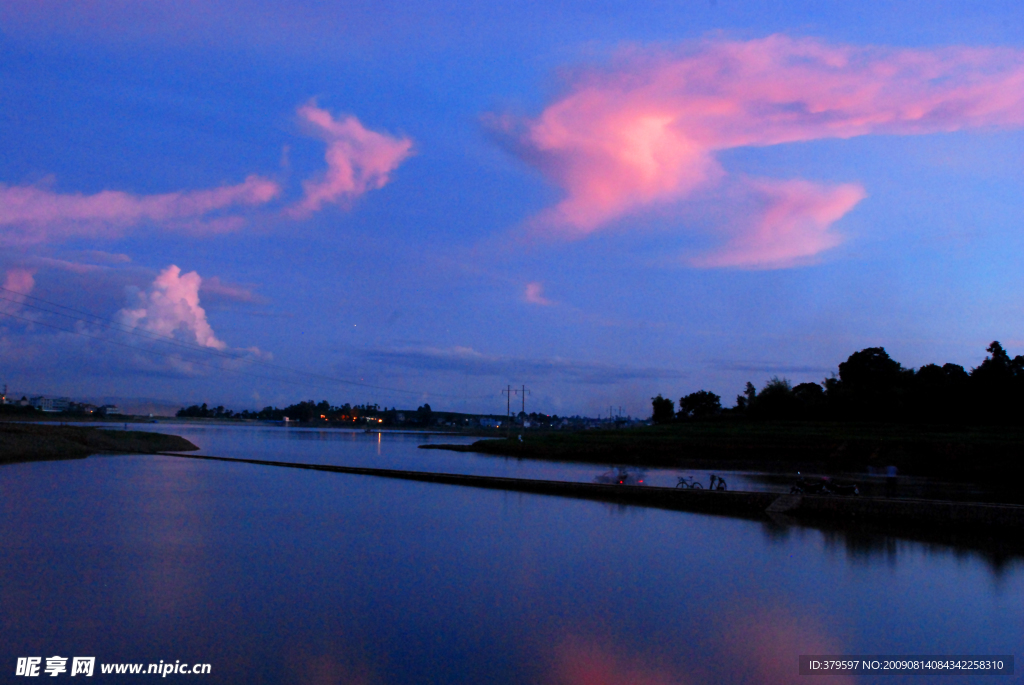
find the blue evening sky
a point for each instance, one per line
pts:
(437, 277)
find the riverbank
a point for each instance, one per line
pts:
(45, 417)
(992, 528)
(35, 442)
(968, 453)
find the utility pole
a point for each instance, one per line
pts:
(508, 409)
(525, 391)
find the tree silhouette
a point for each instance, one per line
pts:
(744, 401)
(664, 409)
(996, 386)
(775, 401)
(871, 386)
(940, 394)
(699, 405)
(809, 401)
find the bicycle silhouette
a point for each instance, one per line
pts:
(688, 483)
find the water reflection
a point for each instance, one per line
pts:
(288, 576)
(621, 475)
(757, 642)
(579, 661)
(400, 451)
(869, 543)
(862, 547)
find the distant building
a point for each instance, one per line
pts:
(50, 404)
(490, 423)
(109, 410)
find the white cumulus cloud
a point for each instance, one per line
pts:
(170, 307)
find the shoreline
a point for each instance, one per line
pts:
(731, 502)
(997, 524)
(978, 454)
(26, 442)
(47, 419)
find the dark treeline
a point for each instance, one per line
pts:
(303, 411)
(310, 412)
(871, 386)
(19, 410)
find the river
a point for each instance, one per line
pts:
(275, 575)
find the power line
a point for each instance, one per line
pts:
(155, 352)
(123, 327)
(159, 338)
(238, 371)
(168, 340)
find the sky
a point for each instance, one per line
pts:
(258, 203)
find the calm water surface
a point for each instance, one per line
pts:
(281, 576)
(401, 451)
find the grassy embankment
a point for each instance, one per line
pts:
(968, 452)
(34, 442)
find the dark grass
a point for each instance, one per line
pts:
(958, 452)
(33, 442)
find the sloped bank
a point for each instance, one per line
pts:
(767, 505)
(35, 442)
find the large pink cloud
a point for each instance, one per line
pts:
(170, 308)
(32, 214)
(646, 131)
(358, 159)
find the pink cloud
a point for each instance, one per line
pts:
(73, 267)
(171, 308)
(358, 160)
(31, 214)
(17, 284)
(101, 257)
(535, 294)
(646, 131)
(791, 226)
(229, 291)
